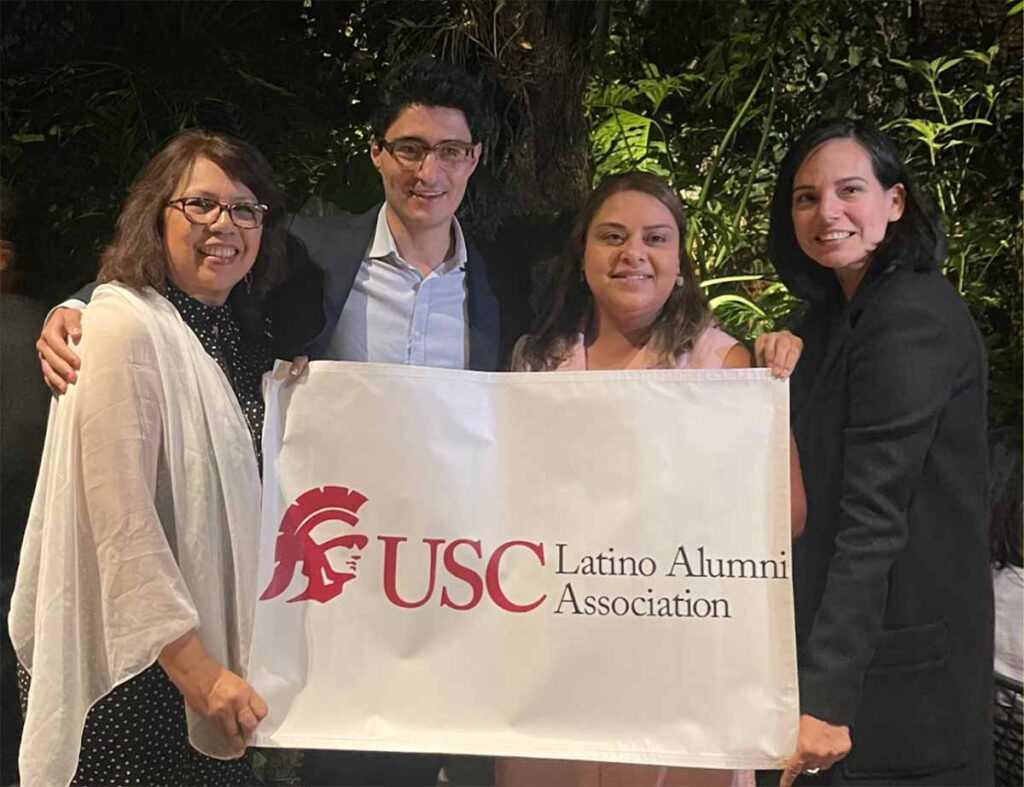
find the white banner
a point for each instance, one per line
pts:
(583, 565)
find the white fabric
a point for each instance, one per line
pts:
(70, 303)
(1008, 587)
(143, 526)
(628, 464)
(393, 314)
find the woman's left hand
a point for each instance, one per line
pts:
(819, 746)
(234, 704)
(778, 351)
(213, 691)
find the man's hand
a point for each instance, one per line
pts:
(212, 690)
(779, 352)
(819, 746)
(58, 360)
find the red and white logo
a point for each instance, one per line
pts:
(329, 560)
(320, 558)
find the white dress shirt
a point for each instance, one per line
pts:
(395, 315)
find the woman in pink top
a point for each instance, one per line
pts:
(625, 297)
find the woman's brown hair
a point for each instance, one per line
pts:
(569, 306)
(136, 256)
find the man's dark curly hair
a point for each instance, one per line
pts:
(431, 83)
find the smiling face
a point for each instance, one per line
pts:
(631, 258)
(425, 196)
(207, 261)
(840, 209)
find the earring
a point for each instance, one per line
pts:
(679, 280)
(248, 282)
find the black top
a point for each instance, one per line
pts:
(242, 357)
(891, 577)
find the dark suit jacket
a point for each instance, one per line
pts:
(892, 582)
(324, 255)
(24, 407)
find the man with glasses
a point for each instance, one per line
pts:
(400, 282)
(397, 284)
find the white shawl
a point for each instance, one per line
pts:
(144, 525)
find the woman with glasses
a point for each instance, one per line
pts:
(137, 577)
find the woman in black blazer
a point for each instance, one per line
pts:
(892, 584)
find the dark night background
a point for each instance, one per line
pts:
(706, 93)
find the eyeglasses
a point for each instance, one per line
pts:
(410, 152)
(199, 210)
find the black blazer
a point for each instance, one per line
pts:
(891, 577)
(324, 255)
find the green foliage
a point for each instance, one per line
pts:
(706, 93)
(714, 107)
(968, 128)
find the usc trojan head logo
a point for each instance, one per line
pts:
(296, 544)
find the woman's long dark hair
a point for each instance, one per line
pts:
(569, 306)
(916, 241)
(136, 256)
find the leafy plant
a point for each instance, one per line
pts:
(714, 111)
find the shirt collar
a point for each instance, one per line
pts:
(384, 247)
(180, 298)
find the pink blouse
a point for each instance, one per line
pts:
(708, 352)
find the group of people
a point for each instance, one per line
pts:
(136, 583)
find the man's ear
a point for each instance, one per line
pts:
(375, 153)
(478, 148)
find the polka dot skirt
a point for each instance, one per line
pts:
(137, 735)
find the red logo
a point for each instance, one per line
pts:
(455, 567)
(296, 544)
(489, 580)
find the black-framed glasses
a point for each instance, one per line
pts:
(410, 151)
(199, 210)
